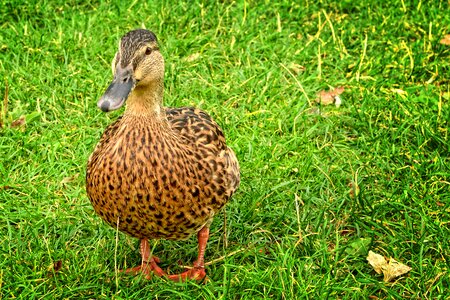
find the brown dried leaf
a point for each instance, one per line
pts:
(192, 57)
(296, 68)
(313, 111)
(445, 40)
(345, 232)
(394, 270)
(446, 95)
(5, 104)
(57, 266)
(330, 97)
(377, 261)
(354, 189)
(400, 92)
(390, 268)
(19, 122)
(69, 179)
(54, 268)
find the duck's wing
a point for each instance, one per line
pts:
(197, 127)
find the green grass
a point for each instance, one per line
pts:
(256, 67)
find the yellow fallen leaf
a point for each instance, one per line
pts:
(233, 41)
(69, 179)
(446, 40)
(330, 97)
(390, 268)
(377, 261)
(394, 270)
(354, 189)
(296, 68)
(19, 122)
(446, 95)
(192, 57)
(401, 92)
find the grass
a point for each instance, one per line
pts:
(317, 181)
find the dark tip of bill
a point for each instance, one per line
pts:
(105, 106)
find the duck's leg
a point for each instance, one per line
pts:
(149, 263)
(198, 270)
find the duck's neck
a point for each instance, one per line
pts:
(146, 100)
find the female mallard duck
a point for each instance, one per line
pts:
(157, 172)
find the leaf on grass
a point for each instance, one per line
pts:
(296, 68)
(390, 268)
(54, 268)
(192, 57)
(69, 179)
(446, 95)
(5, 104)
(330, 97)
(395, 269)
(358, 247)
(354, 189)
(400, 92)
(19, 122)
(233, 41)
(446, 40)
(57, 266)
(345, 232)
(32, 116)
(313, 111)
(377, 261)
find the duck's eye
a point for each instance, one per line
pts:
(148, 51)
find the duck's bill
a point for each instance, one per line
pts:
(117, 92)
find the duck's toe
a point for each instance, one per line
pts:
(147, 268)
(196, 273)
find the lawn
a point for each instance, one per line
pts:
(321, 185)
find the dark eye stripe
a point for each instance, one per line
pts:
(136, 61)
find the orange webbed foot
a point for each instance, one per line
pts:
(196, 273)
(149, 263)
(147, 268)
(150, 266)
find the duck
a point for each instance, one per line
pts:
(157, 172)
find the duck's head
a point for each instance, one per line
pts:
(137, 65)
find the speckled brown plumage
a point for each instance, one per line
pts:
(158, 172)
(161, 179)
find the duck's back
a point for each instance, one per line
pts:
(196, 125)
(162, 182)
